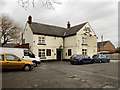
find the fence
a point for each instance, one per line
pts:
(115, 56)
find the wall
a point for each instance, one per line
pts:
(115, 56)
(51, 42)
(69, 43)
(91, 41)
(109, 47)
(28, 36)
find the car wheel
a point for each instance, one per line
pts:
(81, 63)
(72, 63)
(108, 61)
(27, 68)
(92, 61)
(34, 63)
(101, 61)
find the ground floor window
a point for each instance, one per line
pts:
(69, 52)
(84, 51)
(41, 52)
(48, 52)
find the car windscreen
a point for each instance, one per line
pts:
(81, 56)
(94, 56)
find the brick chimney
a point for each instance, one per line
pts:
(68, 25)
(30, 20)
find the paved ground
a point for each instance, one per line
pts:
(62, 74)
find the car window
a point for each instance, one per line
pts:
(11, 58)
(82, 56)
(1, 57)
(86, 56)
(103, 56)
(94, 56)
(74, 55)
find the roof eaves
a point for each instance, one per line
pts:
(47, 34)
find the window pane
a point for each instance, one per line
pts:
(11, 58)
(41, 40)
(41, 53)
(0, 58)
(43, 37)
(69, 52)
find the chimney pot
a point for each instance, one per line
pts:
(68, 25)
(30, 20)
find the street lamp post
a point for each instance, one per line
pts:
(102, 43)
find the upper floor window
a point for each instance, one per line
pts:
(41, 40)
(83, 40)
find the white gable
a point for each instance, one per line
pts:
(86, 29)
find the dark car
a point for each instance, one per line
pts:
(100, 58)
(80, 59)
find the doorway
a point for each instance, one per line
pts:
(59, 54)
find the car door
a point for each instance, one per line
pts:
(13, 62)
(86, 59)
(2, 61)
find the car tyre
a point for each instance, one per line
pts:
(101, 61)
(34, 63)
(92, 61)
(27, 68)
(108, 61)
(72, 63)
(81, 63)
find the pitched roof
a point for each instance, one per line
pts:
(74, 29)
(99, 44)
(43, 29)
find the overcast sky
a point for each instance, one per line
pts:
(102, 15)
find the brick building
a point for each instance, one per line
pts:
(108, 47)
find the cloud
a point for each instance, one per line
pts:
(102, 15)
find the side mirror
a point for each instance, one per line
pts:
(88, 57)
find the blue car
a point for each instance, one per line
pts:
(100, 58)
(80, 59)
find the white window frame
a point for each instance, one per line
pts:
(42, 53)
(84, 51)
(83, 40)
(41, 40)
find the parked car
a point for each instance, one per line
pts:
(80, 59)
(100, 58)
(10, 61)
(23, 53)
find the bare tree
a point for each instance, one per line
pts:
(9, 30)
(46, 3)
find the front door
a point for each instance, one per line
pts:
(59, 54)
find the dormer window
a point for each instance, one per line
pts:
(41, 40)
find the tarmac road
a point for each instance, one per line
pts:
(61, 74)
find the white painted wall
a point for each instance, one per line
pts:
(28, 36)
(90, 40)
(51, 42)
(69, 43)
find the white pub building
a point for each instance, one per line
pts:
(57, 43)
